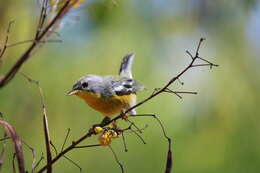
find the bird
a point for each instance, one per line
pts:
(110, 95)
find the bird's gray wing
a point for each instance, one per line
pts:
(125, 86)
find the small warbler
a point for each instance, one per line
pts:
(109, 95)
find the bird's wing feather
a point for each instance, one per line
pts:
(126, 86)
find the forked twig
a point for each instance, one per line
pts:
(38, 163)
(33, 154)
(45, 122)
(6, 39)
(135, 131)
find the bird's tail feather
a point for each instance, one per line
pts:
(126, 65)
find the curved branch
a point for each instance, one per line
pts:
(17, 145)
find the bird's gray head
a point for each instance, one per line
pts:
(89, 83)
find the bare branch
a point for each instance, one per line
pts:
(139, 136)
(17, 144)
(38, 163)
(46, 32)
(33, 154)
(45, 122)
(6, 39)
(133, 124)
(5, 138)
(74, 163)
(124, 142)
(117, 160)
(31, 41)
(13, 162)
(53, 146)
(42, 19)
(65, 140)
(87, 146)
(177, 93)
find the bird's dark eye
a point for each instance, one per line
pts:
(84, 85)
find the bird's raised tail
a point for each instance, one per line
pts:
(126, 65)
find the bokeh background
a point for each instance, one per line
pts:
(215, 131)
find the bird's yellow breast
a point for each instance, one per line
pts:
(107, 106)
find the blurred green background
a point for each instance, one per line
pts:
(215, 131)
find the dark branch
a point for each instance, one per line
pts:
(46, 32)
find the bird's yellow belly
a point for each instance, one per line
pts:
(107, 106)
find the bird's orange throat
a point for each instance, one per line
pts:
(107, 106)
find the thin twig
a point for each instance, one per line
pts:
(38, 163)
(42, 19)
(33, 154)
(53, 146)
(65, 140)
(13, 163)
(30, 41)
(124, 142)
(210, 65)
(45, 122)
(6, 39)
(177, 93)
(117, 160)
(133, 124)
(74, 163)
(139, 136)
(4, 138)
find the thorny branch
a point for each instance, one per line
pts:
(165, 88)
